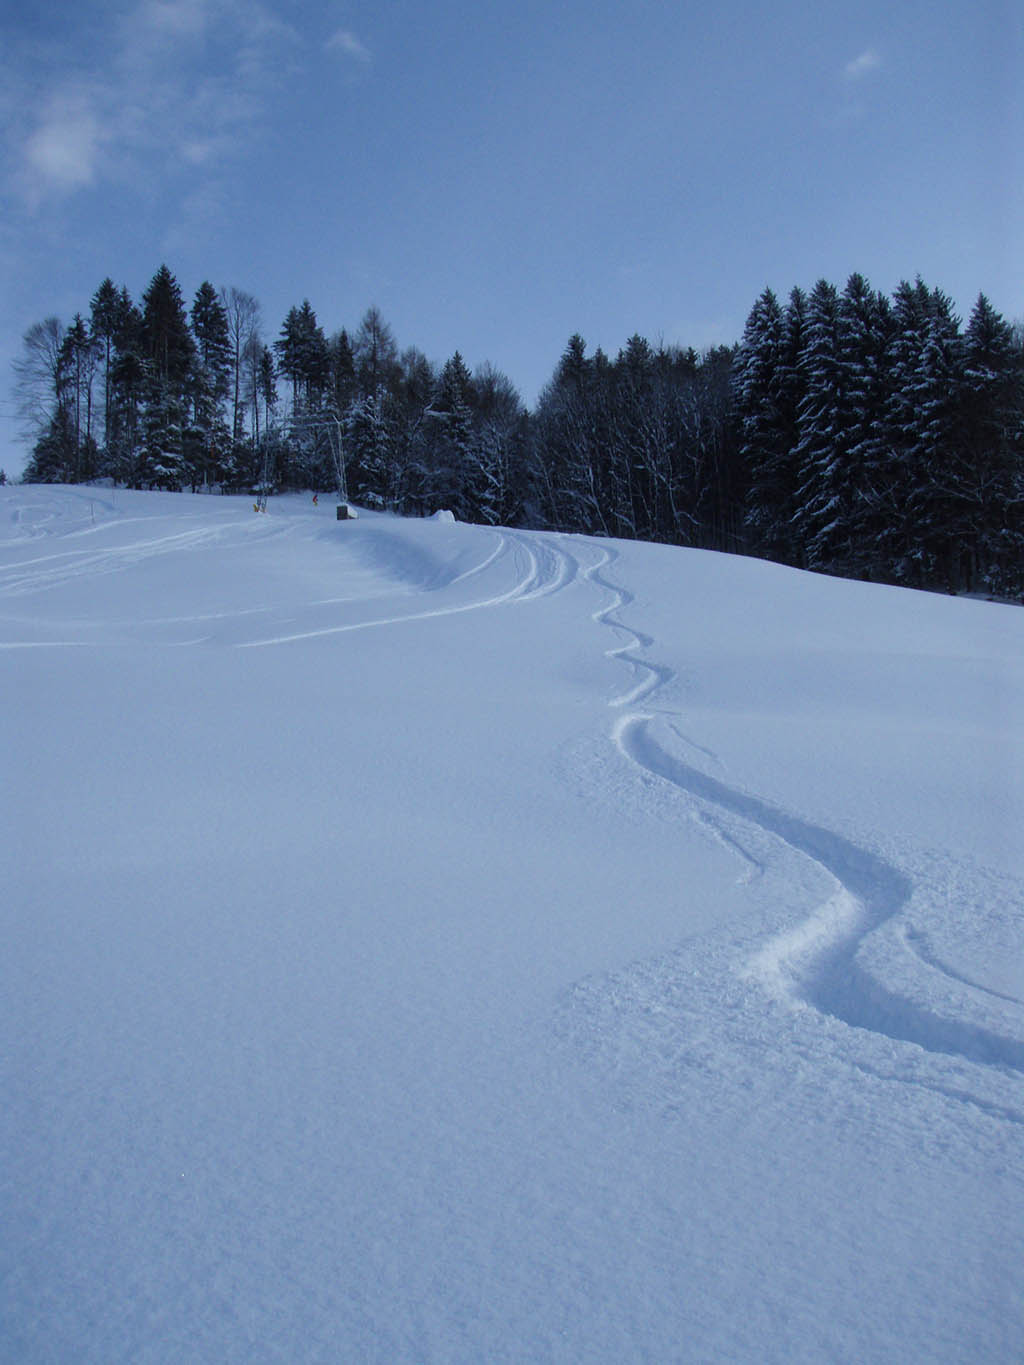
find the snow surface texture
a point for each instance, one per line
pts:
(431, 942)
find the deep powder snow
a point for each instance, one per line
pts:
(436, 942)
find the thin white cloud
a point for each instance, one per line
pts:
(64, 148)
(346, 41)
(205, 151)
(172, 18)
(183, 82)
(862, 66)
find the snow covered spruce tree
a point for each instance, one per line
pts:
(367, 374)
(127, 384)
(303, 359)
(79, 361)
(840, 452)
(449, 432)
(939, 496)
(865, 328)
(168, 350)
(991, 454)
(821, 443)
(767, 439)
(341, 367)
(916, 538)
(52, 452)
(210, 447)
(370, 440)
(104, 324)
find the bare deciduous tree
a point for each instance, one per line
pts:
(37, 376)
(244, 319)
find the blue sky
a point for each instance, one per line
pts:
(494, 178)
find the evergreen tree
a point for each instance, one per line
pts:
(927, 382)
(413, 391)
(791, 388)
(911, 306)
(53, 454)
(168, 351)
(767, 438)
(267, 385)
(632, 463)
(821, 447)
(105, 323)
(169, 346)
(450, 436)
(370, 448)
(864, 331)
(210, 385)
(342, 372)
(574, 369)
(845, 432)
(123, 453)
(79, 357)
(303, 357)
(991, 472)
(709, 503)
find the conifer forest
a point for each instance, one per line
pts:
(847, 431)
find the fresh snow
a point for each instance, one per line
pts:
(429, 942)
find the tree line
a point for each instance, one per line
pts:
(846, 432)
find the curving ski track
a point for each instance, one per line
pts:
(541, 570)
(818, 964)
(821, 963)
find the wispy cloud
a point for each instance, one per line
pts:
(64, 148)
(862, 66)
(345, 41)
(180, 82)
(171, 18)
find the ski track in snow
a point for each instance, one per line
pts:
(917, 944)
(541, 570)
(43, 572)
(743, 1023)
(818, 965)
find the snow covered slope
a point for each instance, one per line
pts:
(431, 942)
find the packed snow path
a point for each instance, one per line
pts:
(431, 942)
